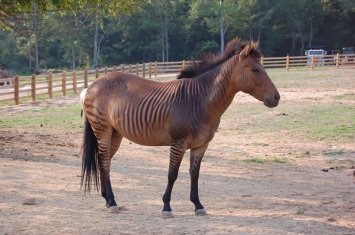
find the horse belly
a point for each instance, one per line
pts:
(146, 137)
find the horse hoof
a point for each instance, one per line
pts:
(200, 212)
(114, 209)
(167, 215)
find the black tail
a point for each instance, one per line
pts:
(91, 163)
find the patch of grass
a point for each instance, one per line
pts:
(307, 120)
(254, 160)
(340, 161)
(301, 210)
(278, 160)
(305, 78)
(333, 153)
(304, 155)
(262, 160)
(348, 96)
(7, 103)
(67, 117)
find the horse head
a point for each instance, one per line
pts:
(250, 76)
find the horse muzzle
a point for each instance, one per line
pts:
(272, 101)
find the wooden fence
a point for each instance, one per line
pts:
(30, 87)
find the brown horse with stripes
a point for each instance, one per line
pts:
(183, 114)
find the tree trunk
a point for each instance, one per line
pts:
(222, 38)
(73, 55)
(162, 35)
(166, 38)
(222, 27)
(35, 24)
(299, 31)
(162, 45)
(36, 43)
(293, 43)
(29, 52)
(96, 36)
(259, 33)
(311, 34)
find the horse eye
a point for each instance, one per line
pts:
(255, 70)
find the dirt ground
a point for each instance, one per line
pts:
(296, 197)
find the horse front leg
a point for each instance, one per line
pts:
(196, 156)
(177, 152)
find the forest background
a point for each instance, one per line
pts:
(107, 33)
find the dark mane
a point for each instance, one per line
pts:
(208, 61)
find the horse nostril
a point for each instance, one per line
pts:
(277, 96)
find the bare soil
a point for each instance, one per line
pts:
(309, 194)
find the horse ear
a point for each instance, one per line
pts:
(256, 44)
(245, 51)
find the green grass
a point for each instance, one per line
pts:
(340, 161)
(308, 120)
(267, 160)
(305, 78)
(349, 96)
(301, 210)
(334, 153)
(60, 118)
(304, 155)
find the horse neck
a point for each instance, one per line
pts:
(219, 89)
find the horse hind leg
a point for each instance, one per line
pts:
(108, 145)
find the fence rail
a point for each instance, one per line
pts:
(17, 88)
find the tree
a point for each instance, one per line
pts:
(348, 6)
(217, 15)
(14, 12)
(24, 16)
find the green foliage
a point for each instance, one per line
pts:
(160, 30)
(207, 46)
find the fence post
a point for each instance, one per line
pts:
(287, 63)
(85, 78)
(64, 83)
(33, 87)
(105, 71)
(114, 68)
(17, 90)
(312, 63)
(74, 81)
(183, 64)
(50, 85)
(137, 70)
(337, 61)
(122, 68)
(97, 73)
(155, 68)
(150, 70)
(130, 68)
(144, 70)
(262, 61)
